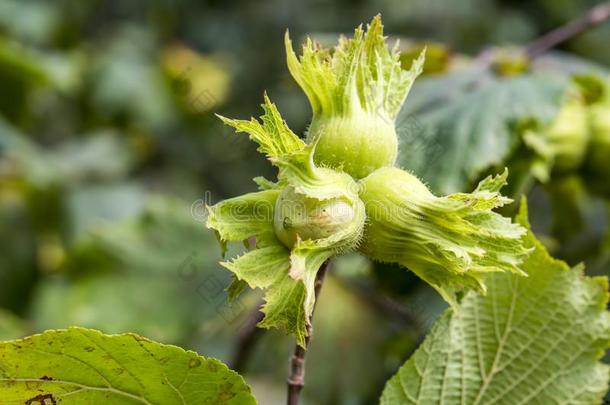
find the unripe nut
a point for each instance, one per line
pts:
(391, 196)
(358, 143)
(298, 216)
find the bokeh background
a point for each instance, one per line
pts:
(109, 150)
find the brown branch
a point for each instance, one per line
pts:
(296, 380)
(593, 18)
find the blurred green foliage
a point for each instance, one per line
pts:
(108, 138)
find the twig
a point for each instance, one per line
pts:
(296, 380)
(597, 15)
(249, 334)
(594, 17)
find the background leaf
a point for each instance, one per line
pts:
(456, 126)
(85, 366)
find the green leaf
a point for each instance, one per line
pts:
(300, 171)
(287, 279)
(479, 114)
(261, 267)
(285, 308)
(273, 135)
(530, 340)
(84, 366)
(265, 184)
(241, 217)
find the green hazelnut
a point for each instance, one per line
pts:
(449, 242)
(355, 91)
(358, 144)
(298, 216)
(391, 197)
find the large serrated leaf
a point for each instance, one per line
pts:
(534, 340)
(83, 366)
